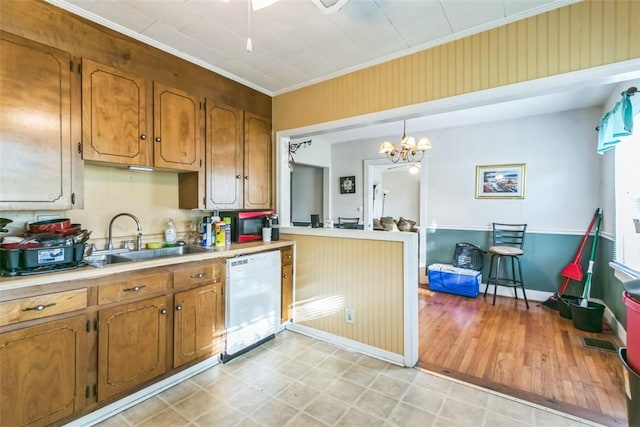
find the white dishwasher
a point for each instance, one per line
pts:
(252, 302)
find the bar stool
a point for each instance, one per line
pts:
(508, 240)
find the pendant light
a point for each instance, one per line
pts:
(409, 150)
(249, 43)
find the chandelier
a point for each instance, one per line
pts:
(409, 151)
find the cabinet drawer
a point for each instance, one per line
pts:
(287, 256)
(130, 288)
(201, 274)
(24, 309)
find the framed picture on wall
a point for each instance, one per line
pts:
(500, 181)
(347, 184)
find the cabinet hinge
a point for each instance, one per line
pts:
(79, 68)
(95, 325)
(86, 392)
(95, 389)
(79, 147)
(71, 66)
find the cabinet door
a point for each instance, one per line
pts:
(287, 292)
(198, 327)
(176, 129)
(224, 157)
(131, 345)
(257, 162)
(36, 157)
(114, 115)
(42, 372)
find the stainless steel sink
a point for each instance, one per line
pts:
(162, 253)
(105, 259)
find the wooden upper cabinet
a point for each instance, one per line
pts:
(177, 133)
(39, 117)
(43, 372)
(257, 161)
(117, 115)
(114, 116)
(224, 158)
(238, 159)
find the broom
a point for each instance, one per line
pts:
(573, 270)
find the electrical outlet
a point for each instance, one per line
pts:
(349, 315)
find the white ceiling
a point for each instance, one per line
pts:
(294, 42)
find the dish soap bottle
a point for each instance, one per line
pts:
(170, 233)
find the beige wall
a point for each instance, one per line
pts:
(580, 36)
(366, 275)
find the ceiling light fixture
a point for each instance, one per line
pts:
(261, 4)
(329, 6)
(409, 151)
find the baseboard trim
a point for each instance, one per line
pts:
(133, 399)
(347, 344)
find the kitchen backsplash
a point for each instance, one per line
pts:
(150, 196)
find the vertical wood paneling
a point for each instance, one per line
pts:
(634, 30)
(332, 274)
(574, 39)
(542, 49)
(583, 35)
(622, 25)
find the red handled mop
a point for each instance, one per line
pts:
(586, 293)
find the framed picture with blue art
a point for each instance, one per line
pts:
(347, 184)
(500, 181)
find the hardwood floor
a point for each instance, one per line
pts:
(534, 354)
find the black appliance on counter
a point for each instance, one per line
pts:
(246, 226)
(273, 222)
(46, 259)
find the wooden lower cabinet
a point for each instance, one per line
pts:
(198, 323)
(132, 341)
(42, 372)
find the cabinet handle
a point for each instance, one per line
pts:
(285, 277)
(163, 311)
(143, 136)
(198, 276)
(178, 308)
(134, 289)
(238, 177)
(39, 307)
(157, 139)
(246, 177)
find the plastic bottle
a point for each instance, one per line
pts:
(221, 228)
(206, 231)
(170, 233)
(227, 227)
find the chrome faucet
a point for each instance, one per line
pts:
(139, 227)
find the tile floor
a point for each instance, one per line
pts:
(295, 380)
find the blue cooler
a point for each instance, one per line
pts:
(454, 280)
